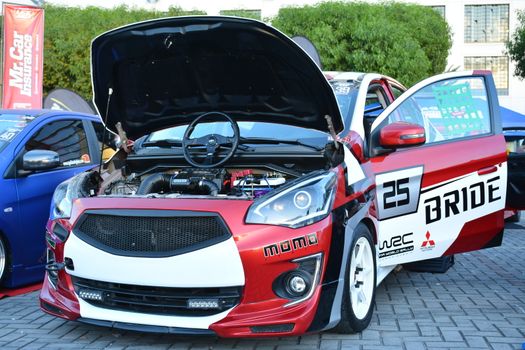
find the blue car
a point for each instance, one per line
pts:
(38, 150)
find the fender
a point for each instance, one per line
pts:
(344, 221)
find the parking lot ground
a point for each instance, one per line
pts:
(478, 304)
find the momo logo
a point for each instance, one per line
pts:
(400, 244)
(428, 244)
(290, 245)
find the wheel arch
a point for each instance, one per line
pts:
(371, 227)
(8, 257)
(5, 239)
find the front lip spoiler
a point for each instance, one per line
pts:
(148, 328)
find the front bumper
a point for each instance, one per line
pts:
(266, 318)
(260, 311)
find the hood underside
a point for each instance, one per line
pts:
(167, 72)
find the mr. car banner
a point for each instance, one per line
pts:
(23, 56)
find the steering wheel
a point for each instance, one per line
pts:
(213, 143)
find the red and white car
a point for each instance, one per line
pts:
(255, 200)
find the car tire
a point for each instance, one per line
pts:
(3, 259)
(359, 293)
(515, 218)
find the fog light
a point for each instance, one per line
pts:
(89, 294)
(203, 304)
(297, 284)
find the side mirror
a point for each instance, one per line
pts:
(40, 159)
(402, 134)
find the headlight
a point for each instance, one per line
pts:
(62, 199)
(296, 205)
(82, 185)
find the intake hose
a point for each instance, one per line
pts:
(154, 184)
(209, 186)
(166, 182)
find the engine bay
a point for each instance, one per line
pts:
(154, 168)
(213, 182)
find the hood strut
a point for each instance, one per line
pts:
(110, 93)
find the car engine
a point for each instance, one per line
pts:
(247, 183)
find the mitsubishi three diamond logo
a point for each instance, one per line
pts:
(428, 244)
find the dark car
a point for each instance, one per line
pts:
(514, 131)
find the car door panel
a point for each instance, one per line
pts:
(36, 190)
(443, 199)
(448, 195)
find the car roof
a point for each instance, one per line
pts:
(512, 119)
(358, 76)
(336, 75)
(43, 113)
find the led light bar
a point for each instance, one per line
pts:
(204, 304)
(89, 294)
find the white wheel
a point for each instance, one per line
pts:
(3, 259)
(362, 281)
(357, 305)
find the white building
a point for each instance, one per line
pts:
(480, 29)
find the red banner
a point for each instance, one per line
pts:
(23, 56)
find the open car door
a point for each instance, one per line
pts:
(515, 138)
(438, 155)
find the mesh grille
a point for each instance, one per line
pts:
(157, 300)
(151, 235)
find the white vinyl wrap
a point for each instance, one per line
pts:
(97, 313)
(215, 266)
(354, 171)
(443, 232)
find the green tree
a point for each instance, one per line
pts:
(407, 42)
(68, 35)
(516, 46)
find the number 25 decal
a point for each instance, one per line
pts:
(399, 189)
(398, 192)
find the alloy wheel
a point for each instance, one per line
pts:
(2, 258)
(361, 278)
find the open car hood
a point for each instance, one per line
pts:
(166, 72)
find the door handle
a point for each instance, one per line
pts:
(487, 170)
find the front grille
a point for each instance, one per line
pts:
(151, 233)
(156, 300)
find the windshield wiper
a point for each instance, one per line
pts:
(169, 143)
(261, 140)
(163, 143)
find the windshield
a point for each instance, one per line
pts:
(345, 92)
(10, 126)
(248, 130)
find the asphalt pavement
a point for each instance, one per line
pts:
(478, 304)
